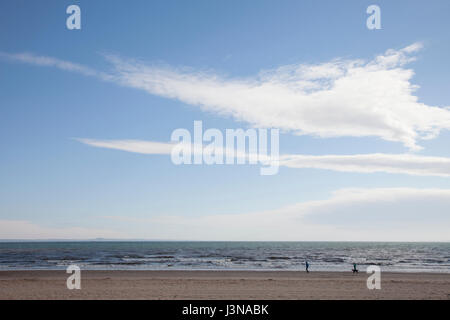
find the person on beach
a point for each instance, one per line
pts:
(307, 266)
(354, 268)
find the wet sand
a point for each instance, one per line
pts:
(191, 285)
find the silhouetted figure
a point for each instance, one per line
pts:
(354, 268)
(307, 266)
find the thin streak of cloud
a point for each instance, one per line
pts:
(409, 164)
(371, 163)
(163, 148)
(45, 61)
(136, 146)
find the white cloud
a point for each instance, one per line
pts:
(362, 163)
(150, 147)
(333, 99)
(369, 163)
(390, 214)
(137, 146)
(27, 230)
(50, 62)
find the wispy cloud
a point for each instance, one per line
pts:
(362, 163)
(373, 162)
(45, 61)
(337, 98)
(403, 214)
(151, 147)
(333, 99)
(136, 146)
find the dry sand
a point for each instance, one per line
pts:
(221, 285)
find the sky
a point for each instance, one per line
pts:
(86, 118)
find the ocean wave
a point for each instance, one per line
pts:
(224, 256)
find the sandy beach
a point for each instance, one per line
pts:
(170, 285)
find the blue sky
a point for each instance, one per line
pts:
(54, 186)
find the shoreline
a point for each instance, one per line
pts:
(361, 270)
(220, 284)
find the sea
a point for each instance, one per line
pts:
(184, 255)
